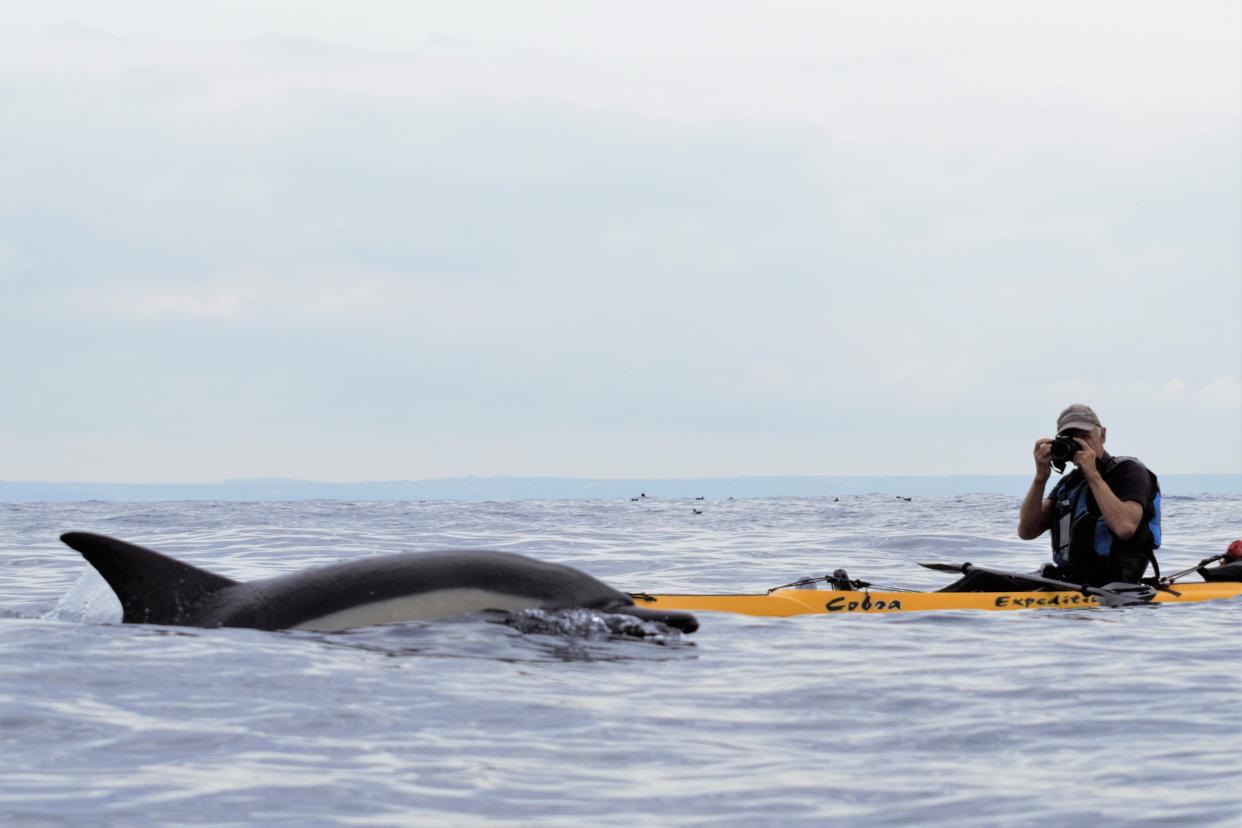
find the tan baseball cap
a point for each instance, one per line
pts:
(1078, 416)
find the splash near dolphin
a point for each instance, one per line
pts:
(156, 589)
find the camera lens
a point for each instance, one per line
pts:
(1064, 448)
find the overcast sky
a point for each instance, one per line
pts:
(388, 240)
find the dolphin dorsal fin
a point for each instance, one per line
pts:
(153, 588)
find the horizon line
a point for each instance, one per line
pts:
(564, 477)
(501, 488)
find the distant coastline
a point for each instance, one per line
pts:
(568, 488)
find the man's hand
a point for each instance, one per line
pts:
(1043, 459)
(1085, 460)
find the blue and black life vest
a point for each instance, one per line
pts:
(1075, 514)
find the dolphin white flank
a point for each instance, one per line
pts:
(157, 589)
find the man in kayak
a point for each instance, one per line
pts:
(1104, 515)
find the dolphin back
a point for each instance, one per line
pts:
(152, 588)
(157, 589)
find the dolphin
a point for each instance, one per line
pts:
(157, 589)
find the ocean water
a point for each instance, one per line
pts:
(1068, 717)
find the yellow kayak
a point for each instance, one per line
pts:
(784, 602)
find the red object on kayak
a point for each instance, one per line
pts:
(1234, 552)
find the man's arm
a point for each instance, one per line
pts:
(1036, 514)
(1122, 516)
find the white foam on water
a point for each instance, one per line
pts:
(89, 601)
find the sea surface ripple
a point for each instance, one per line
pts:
(1068, 717)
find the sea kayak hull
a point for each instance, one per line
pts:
(786, 602)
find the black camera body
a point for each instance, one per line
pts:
(1064, 448)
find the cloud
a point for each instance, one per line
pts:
(1214, 394)
(1224, 393)
(811, 223)
(8, 261)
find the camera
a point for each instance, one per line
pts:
(1064, 447)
